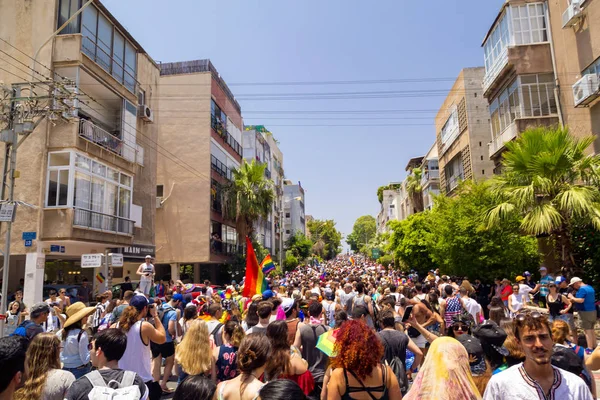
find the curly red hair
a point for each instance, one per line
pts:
(358, 349)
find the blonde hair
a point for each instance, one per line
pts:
(194, 353)
(43, 355)
(560, 331)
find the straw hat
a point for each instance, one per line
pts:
(77, 312)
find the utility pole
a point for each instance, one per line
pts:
(22, 112)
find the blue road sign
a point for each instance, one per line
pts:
(28, 242)
(29, 235)
(54, 248)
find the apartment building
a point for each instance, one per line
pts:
(293, 209)
(576, 38)
(92, 177)
(390, 207)
(463, 132)
(519, 81)
(201, 134)
(261, 146)
(430, 181)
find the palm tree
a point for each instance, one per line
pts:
(415, 189)
(550, 181)
(248, 197)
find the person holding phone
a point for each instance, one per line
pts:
(146, 273)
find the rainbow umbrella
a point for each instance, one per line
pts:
(326, 342)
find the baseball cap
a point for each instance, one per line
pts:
(39, 308)
(139, 302)
(519, 278)
(491, 337)
(575, 280)
(177, 297)
(287, 304)
(543, 268)
(148, 256)
(267, 294)
(560, 279)
(476, 354)
(526, 273)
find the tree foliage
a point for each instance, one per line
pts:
(325, 238)
(364, 229)
(248, 197)
(454, 238)
(415, 189)
(290, 262)
(299, 246)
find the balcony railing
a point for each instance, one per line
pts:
(499, 141)
(92, 132)
(102, 222)
(429, 175)
(226, 249)
(221, 130)
(220, 168)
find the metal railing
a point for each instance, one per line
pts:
(220, 168)
(221, 130)
(226, 249)
(104, 222)
(453, 181)
(428, 175)
(92, 132)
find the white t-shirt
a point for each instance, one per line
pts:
(514, 383)
(524, 292)
(472, 307)
(146, 269)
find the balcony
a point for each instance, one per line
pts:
(430, 175)
(220, 168)
(225, 249)
(92, 132)
(102, 222)
(497, 144)
(228, 139)
(453, 182)
(494, 72)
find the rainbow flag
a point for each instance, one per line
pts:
(100, 277)
(352, 260)
(255, 282)
(267, 265)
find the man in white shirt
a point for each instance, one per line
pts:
(146, 273)
(535, 378)
(470, 304)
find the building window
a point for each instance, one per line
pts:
(497, 43)
(75, 180)
(450, 128)
(108, 47)
(66, 9)
(594, 68)
(160, 190)
(218, 118)
(287, 215)
(287, 231)
(529, 23)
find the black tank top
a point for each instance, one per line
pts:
(555, 306)
(363, 388)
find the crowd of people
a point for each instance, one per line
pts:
(347, 329)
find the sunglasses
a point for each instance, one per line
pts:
(460, 327)
(523, 316)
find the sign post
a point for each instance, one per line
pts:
(375, 254)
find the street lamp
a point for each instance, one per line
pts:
(282, 224)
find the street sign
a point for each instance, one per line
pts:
(375, 254)
(62, 249)
(7, 212)
(28, 242)
(91, 260)
(29, 235)
(54, 248)
(116, 259)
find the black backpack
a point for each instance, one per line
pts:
(397, 367)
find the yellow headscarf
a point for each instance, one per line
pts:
(445, 375)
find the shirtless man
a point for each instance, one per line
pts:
(424, 317)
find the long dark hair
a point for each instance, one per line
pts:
(252, 315)
(279, 362)
(75, 325)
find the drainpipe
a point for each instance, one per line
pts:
(556, 81)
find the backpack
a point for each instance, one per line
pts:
(162, 311)
(397, 367)
(22, 329)
(113, 390)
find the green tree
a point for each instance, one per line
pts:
(461, 245)
(411, 242)
(248, 197)
(549, 181)
(323, 232)
(290, 262)
(415, 189)
(364, 229)
(299, 246)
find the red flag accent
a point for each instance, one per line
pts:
(251, 270)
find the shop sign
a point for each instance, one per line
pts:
(91, 260)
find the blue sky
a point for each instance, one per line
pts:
(340, 167)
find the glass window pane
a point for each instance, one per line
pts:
(52, 188)
(105, 31)
(526, 102)
(112, 174)
(83, 186)
(99, 169)
(63, 194)
(125, 180)
(59, 159)
(118, 55)
(124, 200)
(83, 162)
(89, 24)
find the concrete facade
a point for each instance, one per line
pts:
(577, 49)
(201, 135)
(294, 209)
(106, 144)
(462, 132)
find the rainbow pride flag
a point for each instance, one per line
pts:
(100, 277)
(352, 260)
(255, 282)
(267, 265)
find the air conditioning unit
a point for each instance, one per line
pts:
(586, 89)
(572, 14)
(159, 201)
(146, 113)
